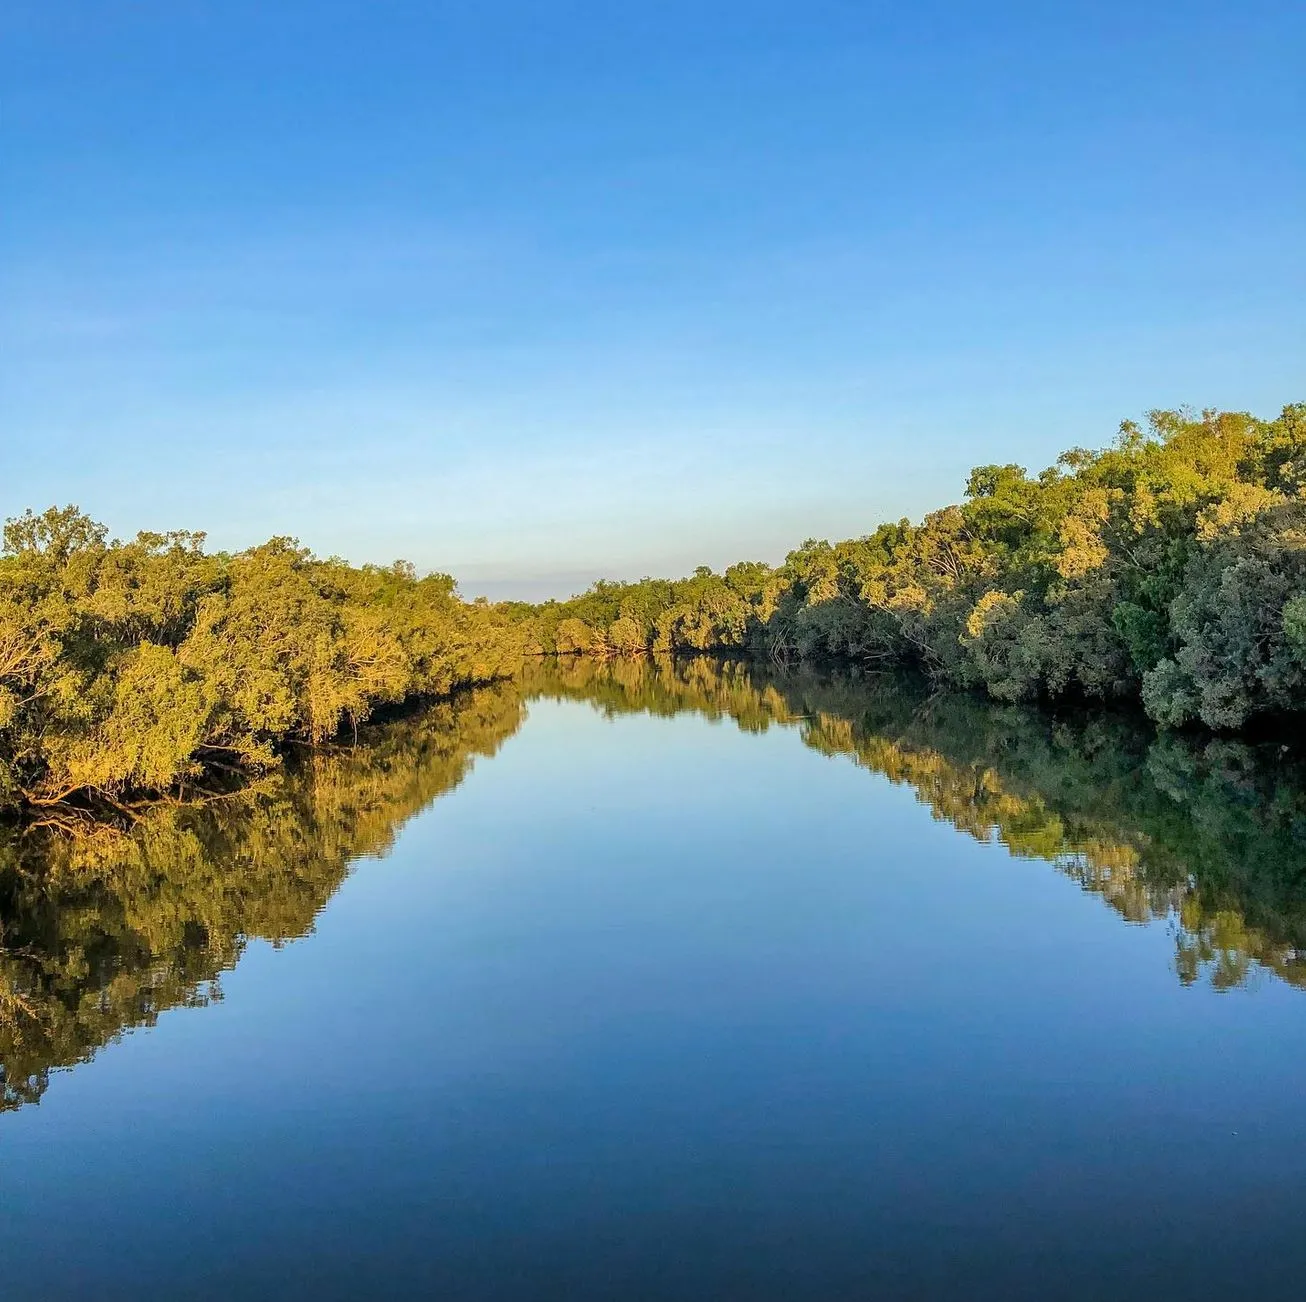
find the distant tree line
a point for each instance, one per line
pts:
(1170, 568)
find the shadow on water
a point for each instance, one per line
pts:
(100, 933)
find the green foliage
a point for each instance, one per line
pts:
(1236, 626)
(1164, 568)
(1169, 568)
(136, 668)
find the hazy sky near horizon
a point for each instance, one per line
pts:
(538, 292)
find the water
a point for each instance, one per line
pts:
(707, 984)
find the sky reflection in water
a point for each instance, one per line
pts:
(654, 1005)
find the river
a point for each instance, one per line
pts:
(672, 980)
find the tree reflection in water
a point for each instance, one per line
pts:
(103, 930)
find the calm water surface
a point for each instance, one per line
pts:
(705, 985)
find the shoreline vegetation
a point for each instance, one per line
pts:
(1168, 569)
(100, 933)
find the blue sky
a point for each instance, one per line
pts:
(538, 292)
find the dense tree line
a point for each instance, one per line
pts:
(1170, 567)
(152, 665)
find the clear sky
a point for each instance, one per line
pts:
(534, 292)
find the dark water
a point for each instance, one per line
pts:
(707, 985)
